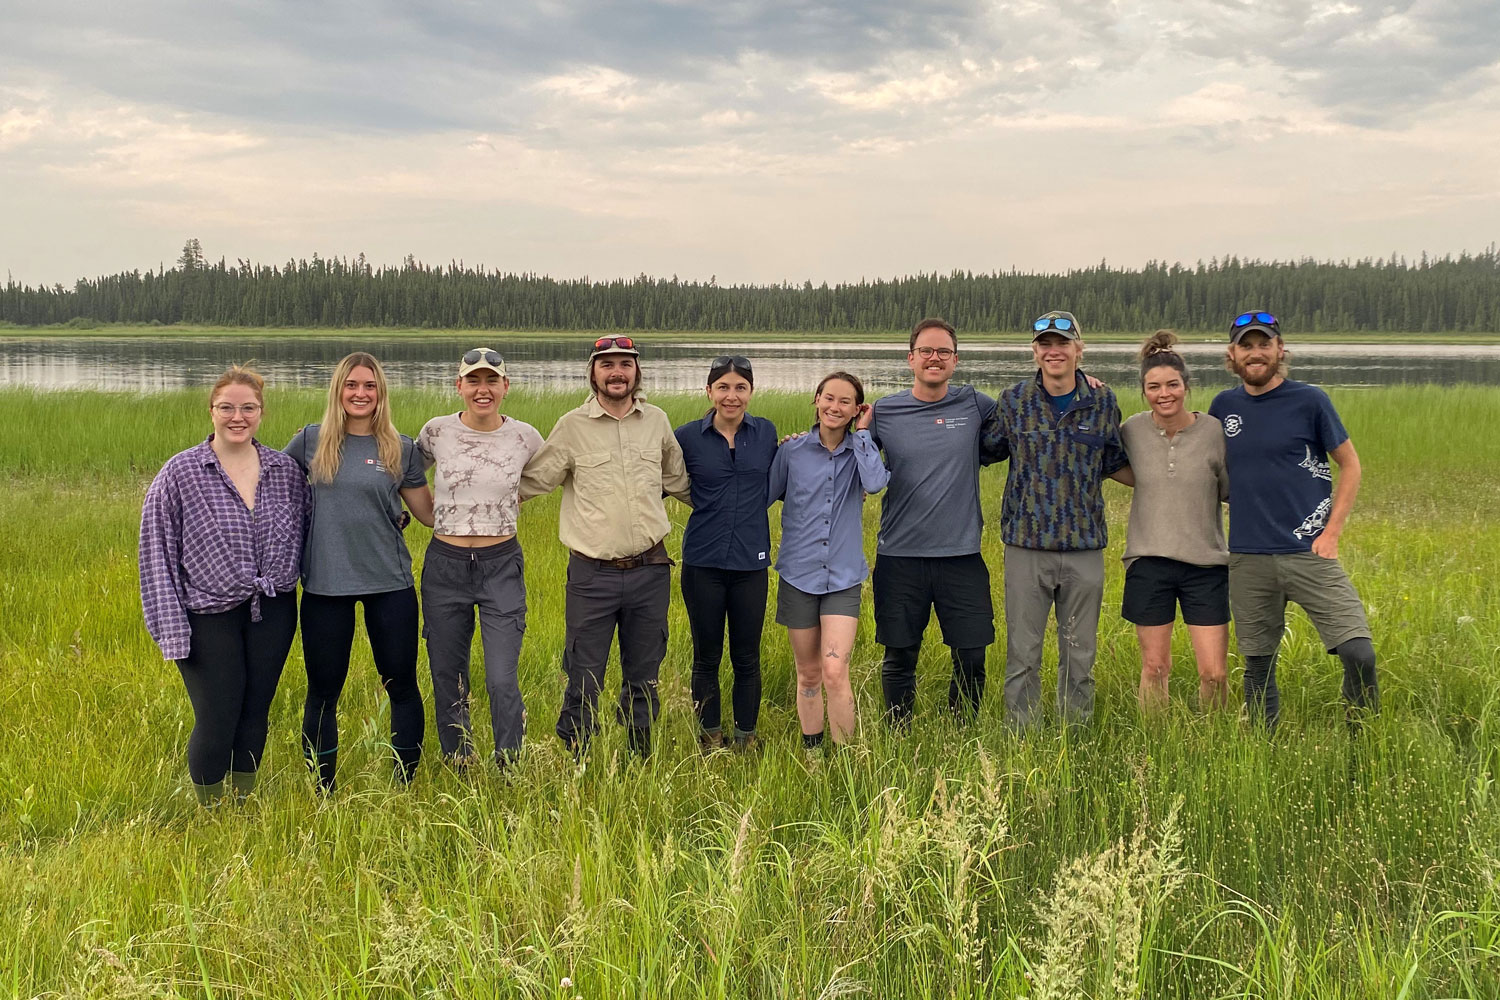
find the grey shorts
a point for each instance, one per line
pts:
(1260, 585)
(799, 609)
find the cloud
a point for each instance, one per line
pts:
(1370, 64)
(760, 139)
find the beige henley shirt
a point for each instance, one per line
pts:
(1177, 511)
(613, 472)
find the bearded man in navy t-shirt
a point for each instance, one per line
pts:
(1286, 516)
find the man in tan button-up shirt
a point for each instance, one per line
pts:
(614, 457)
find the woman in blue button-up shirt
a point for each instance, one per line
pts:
(726, 549)
(821, 478)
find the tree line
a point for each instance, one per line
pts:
(1449, 293)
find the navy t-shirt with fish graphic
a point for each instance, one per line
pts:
(1276, 447)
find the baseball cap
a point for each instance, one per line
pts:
(1254, 321)
(481, 357)
(1059, 322)
(614, 345)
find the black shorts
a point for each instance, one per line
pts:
(908, 589)
(1154, 586)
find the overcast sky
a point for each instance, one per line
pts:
(752, 141)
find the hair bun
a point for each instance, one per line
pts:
(1159, 342)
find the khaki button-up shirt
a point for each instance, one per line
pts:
(613, 472)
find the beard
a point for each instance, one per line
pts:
(1257, 379)
(608, 389)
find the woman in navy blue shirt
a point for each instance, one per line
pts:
(821, 478)
(726, 548)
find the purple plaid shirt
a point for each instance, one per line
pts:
(203, 550)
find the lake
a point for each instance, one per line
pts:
(142, 364)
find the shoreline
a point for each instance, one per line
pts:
(131, 331)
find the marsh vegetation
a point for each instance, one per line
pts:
(1180, 856)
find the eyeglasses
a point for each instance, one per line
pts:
(1053, 323)
(1262, 318)
(605, 343)
(490, 357)
(941, 353)
(736, 361)
(227, 410)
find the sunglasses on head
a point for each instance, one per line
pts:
(1052, 323)
(735, 361)
(604, 343)
(1262, 318)
(490, 357)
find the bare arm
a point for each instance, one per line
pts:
(1125, 475)
(418, 500)
(1345, 489)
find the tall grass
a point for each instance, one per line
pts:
(1179, 857)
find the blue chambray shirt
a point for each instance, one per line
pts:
(1058, 463)
(823, 494)
(728, 528)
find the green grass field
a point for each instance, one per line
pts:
(1184, 856)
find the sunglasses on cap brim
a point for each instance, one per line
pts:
(1259, 318)
(488, 357)
(1053, 323)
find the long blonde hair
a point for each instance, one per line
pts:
(330, 453)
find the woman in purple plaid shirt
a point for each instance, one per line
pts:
(221, 550)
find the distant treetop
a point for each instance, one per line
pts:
(1446, 293)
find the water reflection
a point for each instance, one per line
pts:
(144, 365)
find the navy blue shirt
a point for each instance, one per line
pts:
(1276, 448)
(728, 528)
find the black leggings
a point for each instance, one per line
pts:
(711, 596)
(231, 672)
(898, 681)
(327, 636)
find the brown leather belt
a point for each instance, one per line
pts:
(656, 555)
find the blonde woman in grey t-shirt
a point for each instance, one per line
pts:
(361, 472)
(1175, 552)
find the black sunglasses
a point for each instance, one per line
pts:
(735, 361)
(490, 357)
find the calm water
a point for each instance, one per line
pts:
(140, 364)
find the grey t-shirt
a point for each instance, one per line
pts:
(1177, 511)
(931, 507)
(354, 543)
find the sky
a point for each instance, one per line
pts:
(749, 142)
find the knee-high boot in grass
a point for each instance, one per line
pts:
(1361, 691)
(243, 782)
(1262, 697)
(209, 795)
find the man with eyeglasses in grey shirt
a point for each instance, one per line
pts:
(927, 555)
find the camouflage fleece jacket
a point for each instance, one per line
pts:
(1058, 464)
